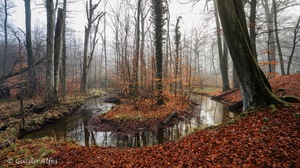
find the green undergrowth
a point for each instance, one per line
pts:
(28, 154)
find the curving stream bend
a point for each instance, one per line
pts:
(208, 113)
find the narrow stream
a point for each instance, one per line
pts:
(208, 113)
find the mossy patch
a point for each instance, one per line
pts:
(297, 115)
(265, 119)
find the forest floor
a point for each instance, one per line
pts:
(268, 137)
(15, 121)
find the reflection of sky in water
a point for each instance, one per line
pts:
(208, 113)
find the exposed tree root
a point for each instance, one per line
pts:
(290, 99)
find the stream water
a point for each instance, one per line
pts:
(208, 113)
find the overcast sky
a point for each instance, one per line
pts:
(189, 13)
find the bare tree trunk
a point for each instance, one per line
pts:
(224, 67)
(5, 37)
(64, 53)
(223, 55)
(177, 44)
(296, 39)
(235, 79)
(142, 56)
(105, 51)
(271, 41)
(277, 38)
(90, 9)
(252, 21)
(167, 51)
(85, 60)
(168, 63)
(116, 26)
(84, 67)
(127, 74)
(57, 49)
(50, 88)
(30, 59)
(94, 42)
(190, 71)
(135, 69)
(158, 13)
(213, 63)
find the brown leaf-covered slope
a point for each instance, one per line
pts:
(265, 138)
(288, 85)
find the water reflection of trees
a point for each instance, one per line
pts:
(74, 127)
(207, 113)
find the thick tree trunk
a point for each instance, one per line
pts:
(223, 55)
(84, 76)
(57, 50)
(64, 53)
(90, 8)
(252, 21)
(256, 90)
(225, 79)
(158, 23)
(235, 79)
(30, 59)
(50, 52)
(135, 69)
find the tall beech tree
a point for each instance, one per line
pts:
(135, 73)
(92, 17)
(269, 12)
(296, 39)
(252, 26)
(50, 88)
(63, 71)
(256, 90)
(57, 50)
(30, 59)
(277, 37)
(177, 39)
(223, 53)
(158, 13)
(5, 36)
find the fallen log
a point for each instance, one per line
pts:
(12, 74)
(112, 100)
(169, 118)
(236, 106)
(223, 94)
